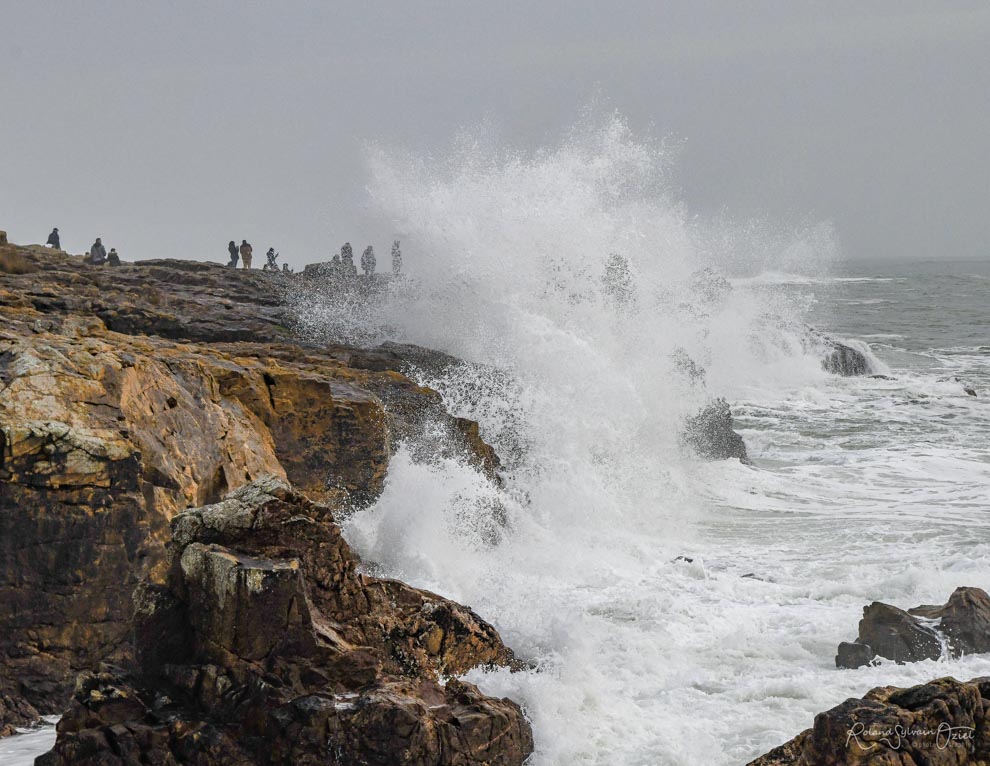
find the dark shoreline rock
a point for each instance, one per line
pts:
(278, 651)
(963, 627)
(941, 723)
(837, 357)
(845, 360)
(712, 436)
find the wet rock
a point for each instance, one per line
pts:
(711, 435)
(842, 359)
(961, 626)
(964, 620)
(15, 712)
(289, 656)
(896, 635)
(967, 389)
(839, 358)
(942, 723)
(854, 655)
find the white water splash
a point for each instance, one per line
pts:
(644, 659)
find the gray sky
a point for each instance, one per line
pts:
(171, 127)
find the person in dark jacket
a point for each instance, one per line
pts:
(98, 253)
(396, 258)
(272, 260)
(232, 249)
(246, 251)
(53, 239)
(347, 267)
(113, 259)
(368, 261)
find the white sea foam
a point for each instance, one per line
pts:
(646, 659)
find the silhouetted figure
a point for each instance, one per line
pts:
(97, 253)
(53, 239)
(272, 260)
(246, 251)
(368, 261)
(113, 259)
(617, 281)
(286, 269)
(347, 266)
(396, 258)
(232, 249)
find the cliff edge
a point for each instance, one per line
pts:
(129, 395)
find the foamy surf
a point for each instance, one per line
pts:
(678, 612)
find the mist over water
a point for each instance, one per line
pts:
(581, 375)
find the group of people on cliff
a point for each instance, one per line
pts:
(245, 253)
(97, 254)
(343, 264)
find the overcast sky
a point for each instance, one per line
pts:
(169, 128)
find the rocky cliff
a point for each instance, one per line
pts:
(276, 651)
(129, 395)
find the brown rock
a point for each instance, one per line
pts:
(129, 395)
(896, 635)
(962, 627)
(965, 620)
(289, 656)
(942, 723)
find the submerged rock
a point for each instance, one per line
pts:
(961, 626)
(277, 651)
(838, 357)
(966, 387)
(711, 435)
(845, 360)
(942, 723)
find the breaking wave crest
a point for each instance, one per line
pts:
(594, 314)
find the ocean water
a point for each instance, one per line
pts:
(677, 611)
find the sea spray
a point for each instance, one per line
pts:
(578, 376)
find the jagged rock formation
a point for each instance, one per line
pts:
(961, 626)
(711, 434)
(942, 723)
(279, 652)
(130, 394)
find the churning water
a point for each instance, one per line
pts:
(863, 489)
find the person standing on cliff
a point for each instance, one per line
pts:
(97, 253)
(368, 261)
(246, 251)
(347, 260)
(396, 258)
(232, 249)
(53, 239)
